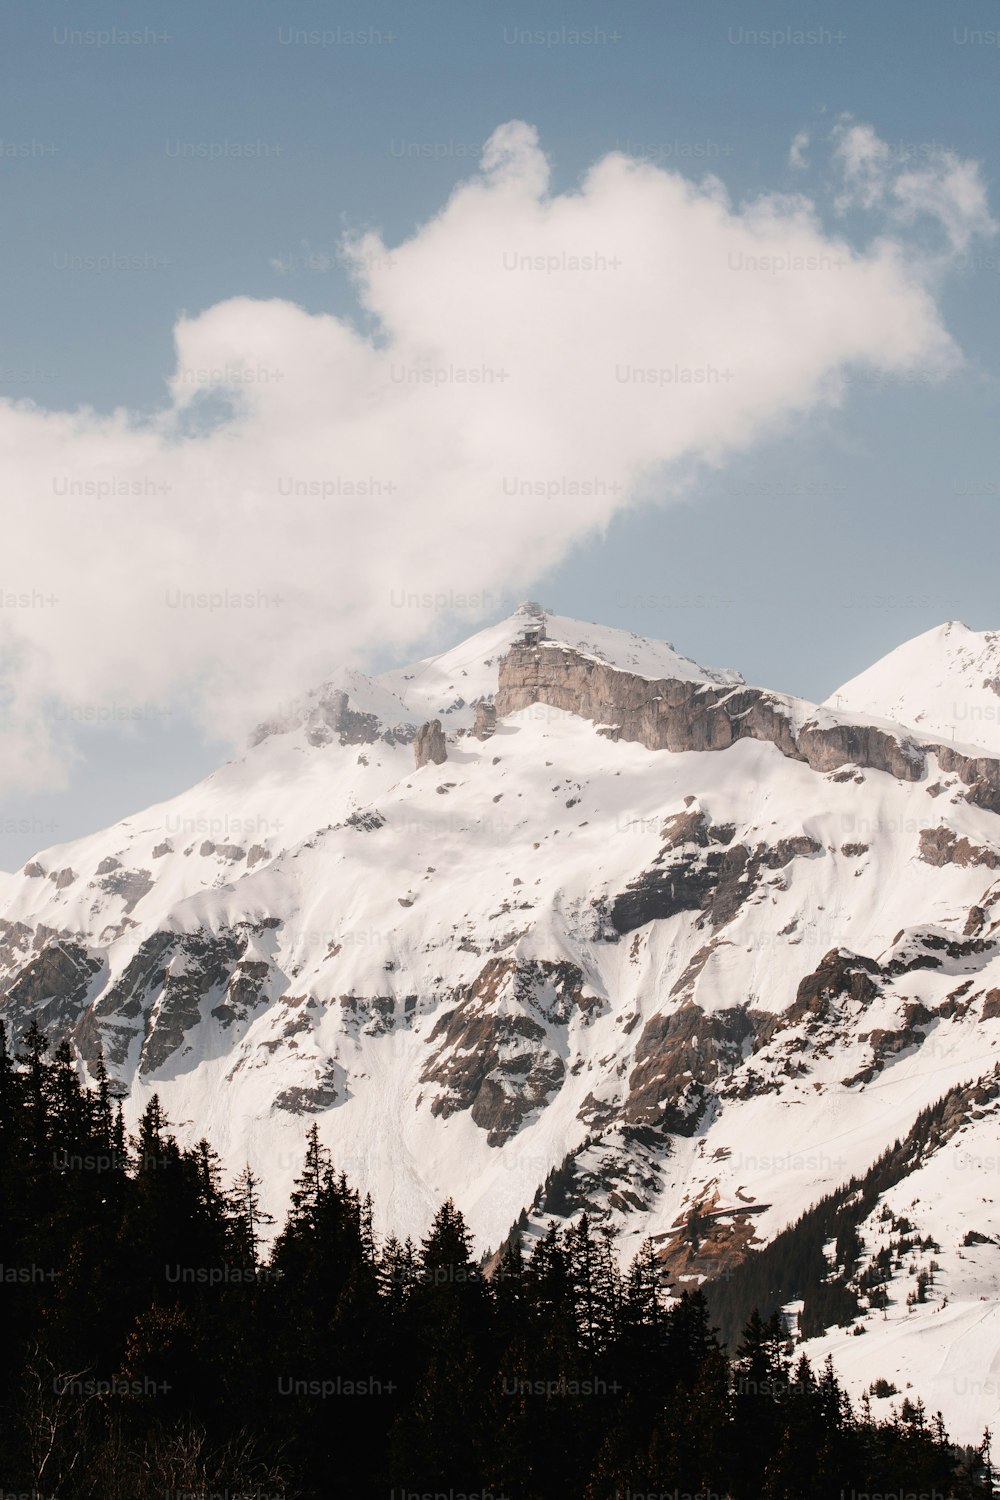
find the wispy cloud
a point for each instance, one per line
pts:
(939, 186)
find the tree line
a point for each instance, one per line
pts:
(154, 1347)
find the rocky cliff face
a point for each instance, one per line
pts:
(670, 715)
(667, 714)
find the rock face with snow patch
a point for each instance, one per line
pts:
(496, 1053)
(675, 715)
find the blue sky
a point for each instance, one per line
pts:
(225, 148)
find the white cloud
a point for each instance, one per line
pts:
(579, 341)
(797, 157)
(943, 187)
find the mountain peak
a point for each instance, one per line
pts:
(449, 684)
(944, 682)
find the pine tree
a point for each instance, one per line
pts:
(446, 1252)
(247, 1217)
(596, 1287)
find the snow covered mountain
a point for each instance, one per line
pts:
(561, 918)
(945, 682)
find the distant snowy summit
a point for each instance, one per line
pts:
(944, 682)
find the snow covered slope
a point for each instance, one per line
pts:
(942, 1344)
(945, 682)
(558, 968)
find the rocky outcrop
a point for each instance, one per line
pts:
(498, 1067)
(618, 1172)
(311, 1099)
(198, 966)
(980, 773)
(886, 1044)
(331, 719)
(429, 744)
(711, 877)
(373, 1015)
(115, 1018)
(688, 885)
(677, 1059)
(244, 991)
(492, 1053)
(365, 820)
(693, 827)
(158, 999)
(840, 975)
(131, 885)
(15, 945)
(919, 948)
(231, 852)
(485, 723)
(51, 988)
(667, 714)
(941, 846)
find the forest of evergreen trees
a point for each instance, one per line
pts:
(793, 1267)
(151, 1348)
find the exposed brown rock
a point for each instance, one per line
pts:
(980, 773)
(709, 1240)
(714, 880)
(52, 987)
(927, 950)
(991, 1006)
(839, 975)
(886, 1044)
(689, 827)
(429, 744)
(677, 1056)
(485, 722)
(500, 1066)
(667, 714)
(941, 846)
